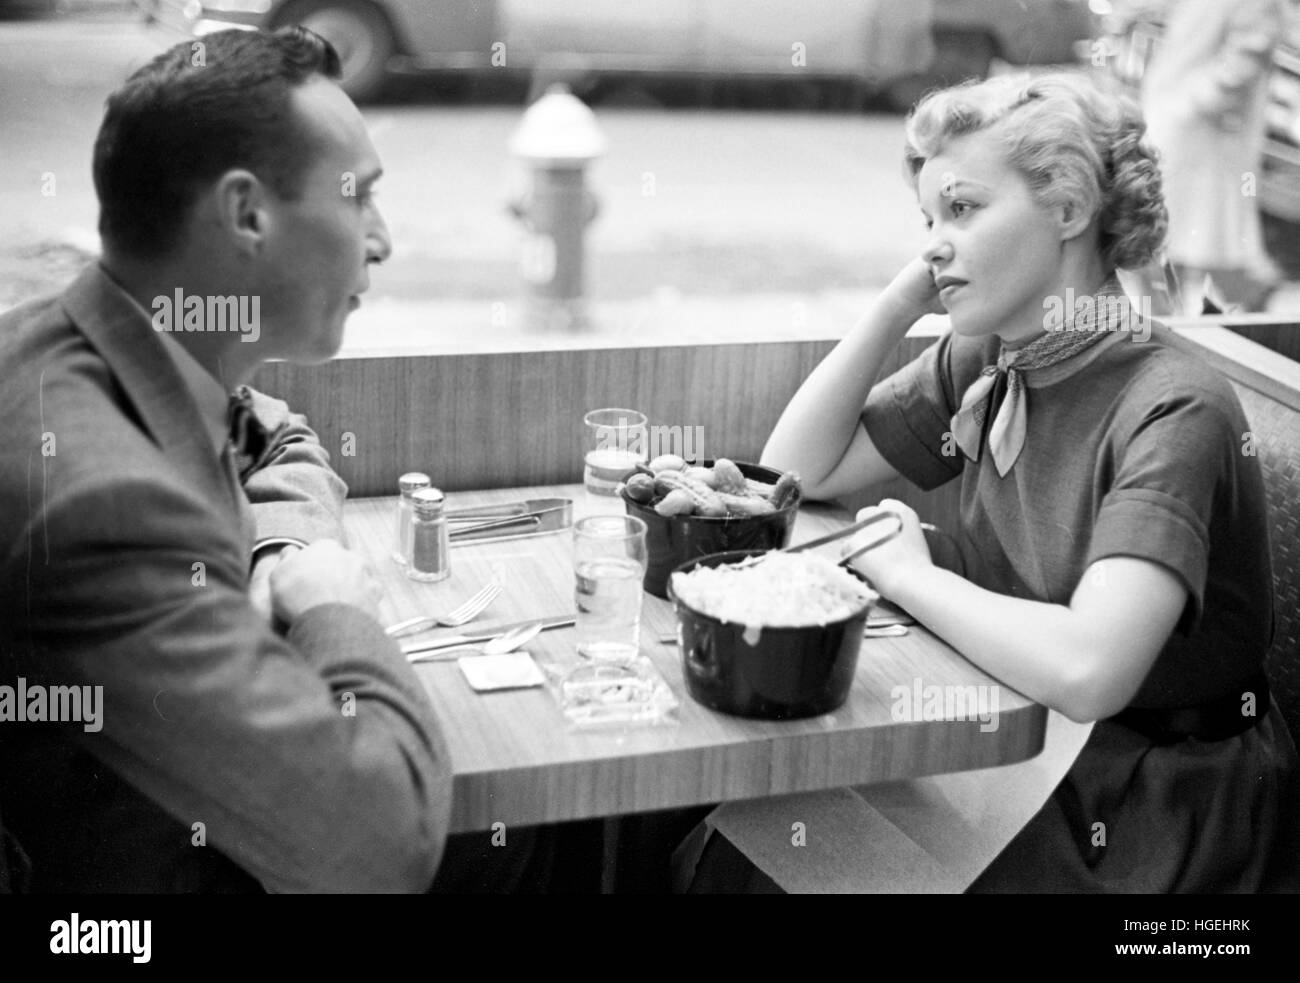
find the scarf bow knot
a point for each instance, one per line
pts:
(999, 394)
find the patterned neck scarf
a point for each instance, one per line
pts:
(1092, 320)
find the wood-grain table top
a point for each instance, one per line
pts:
(517, 761)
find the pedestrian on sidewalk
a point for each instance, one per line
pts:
(1204, 95)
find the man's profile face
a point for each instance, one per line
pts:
(319, 247)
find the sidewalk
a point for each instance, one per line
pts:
(80, 9)
(498, 319)
(386, 327)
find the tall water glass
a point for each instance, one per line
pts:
(609, 561)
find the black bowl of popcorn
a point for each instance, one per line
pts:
(768, 634)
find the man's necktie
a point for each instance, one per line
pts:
(1093, 320)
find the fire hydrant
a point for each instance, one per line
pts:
(557, 139)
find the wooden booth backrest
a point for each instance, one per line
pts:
(514, 419)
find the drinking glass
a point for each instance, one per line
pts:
(613, 684)
(609, 563)
(614, 444)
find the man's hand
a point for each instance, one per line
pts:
(323, 573)
(259, 583)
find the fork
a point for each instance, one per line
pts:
(452, 619)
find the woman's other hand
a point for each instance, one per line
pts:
(905, 551)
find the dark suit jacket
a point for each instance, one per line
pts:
(124, 558)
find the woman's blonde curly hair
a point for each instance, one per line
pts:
(1073, 143)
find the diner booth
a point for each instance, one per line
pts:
(924, 804)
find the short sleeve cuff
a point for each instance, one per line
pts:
(1155, 526)
(918, 457)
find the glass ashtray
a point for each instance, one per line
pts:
(613, 693)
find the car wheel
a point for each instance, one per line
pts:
(360, 33)
(958, 55)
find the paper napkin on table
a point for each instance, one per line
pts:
(513, 670)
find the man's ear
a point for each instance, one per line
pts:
(240, 202)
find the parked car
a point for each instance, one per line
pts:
(824, 39)
(19, 9)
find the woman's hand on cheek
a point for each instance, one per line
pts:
(913, 290)
(886, 562)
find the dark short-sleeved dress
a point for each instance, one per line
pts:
(1133, 448)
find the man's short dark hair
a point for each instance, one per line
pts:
(194, 113)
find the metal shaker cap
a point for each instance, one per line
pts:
(427, 501)
(413, 481)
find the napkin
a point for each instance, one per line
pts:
(513, 670)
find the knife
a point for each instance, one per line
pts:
(534, 516)
(485, 634)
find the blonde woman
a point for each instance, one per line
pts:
(1113, 534)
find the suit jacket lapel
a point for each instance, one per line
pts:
(125, 339)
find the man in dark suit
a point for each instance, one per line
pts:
(256, 727)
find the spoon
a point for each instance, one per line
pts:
(500, 645)
(885, 631)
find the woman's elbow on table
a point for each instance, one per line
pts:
(774, 457)
(812, 482)
(1086, 708)
(857, 464)
(1091, 687)
(1121, 617)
